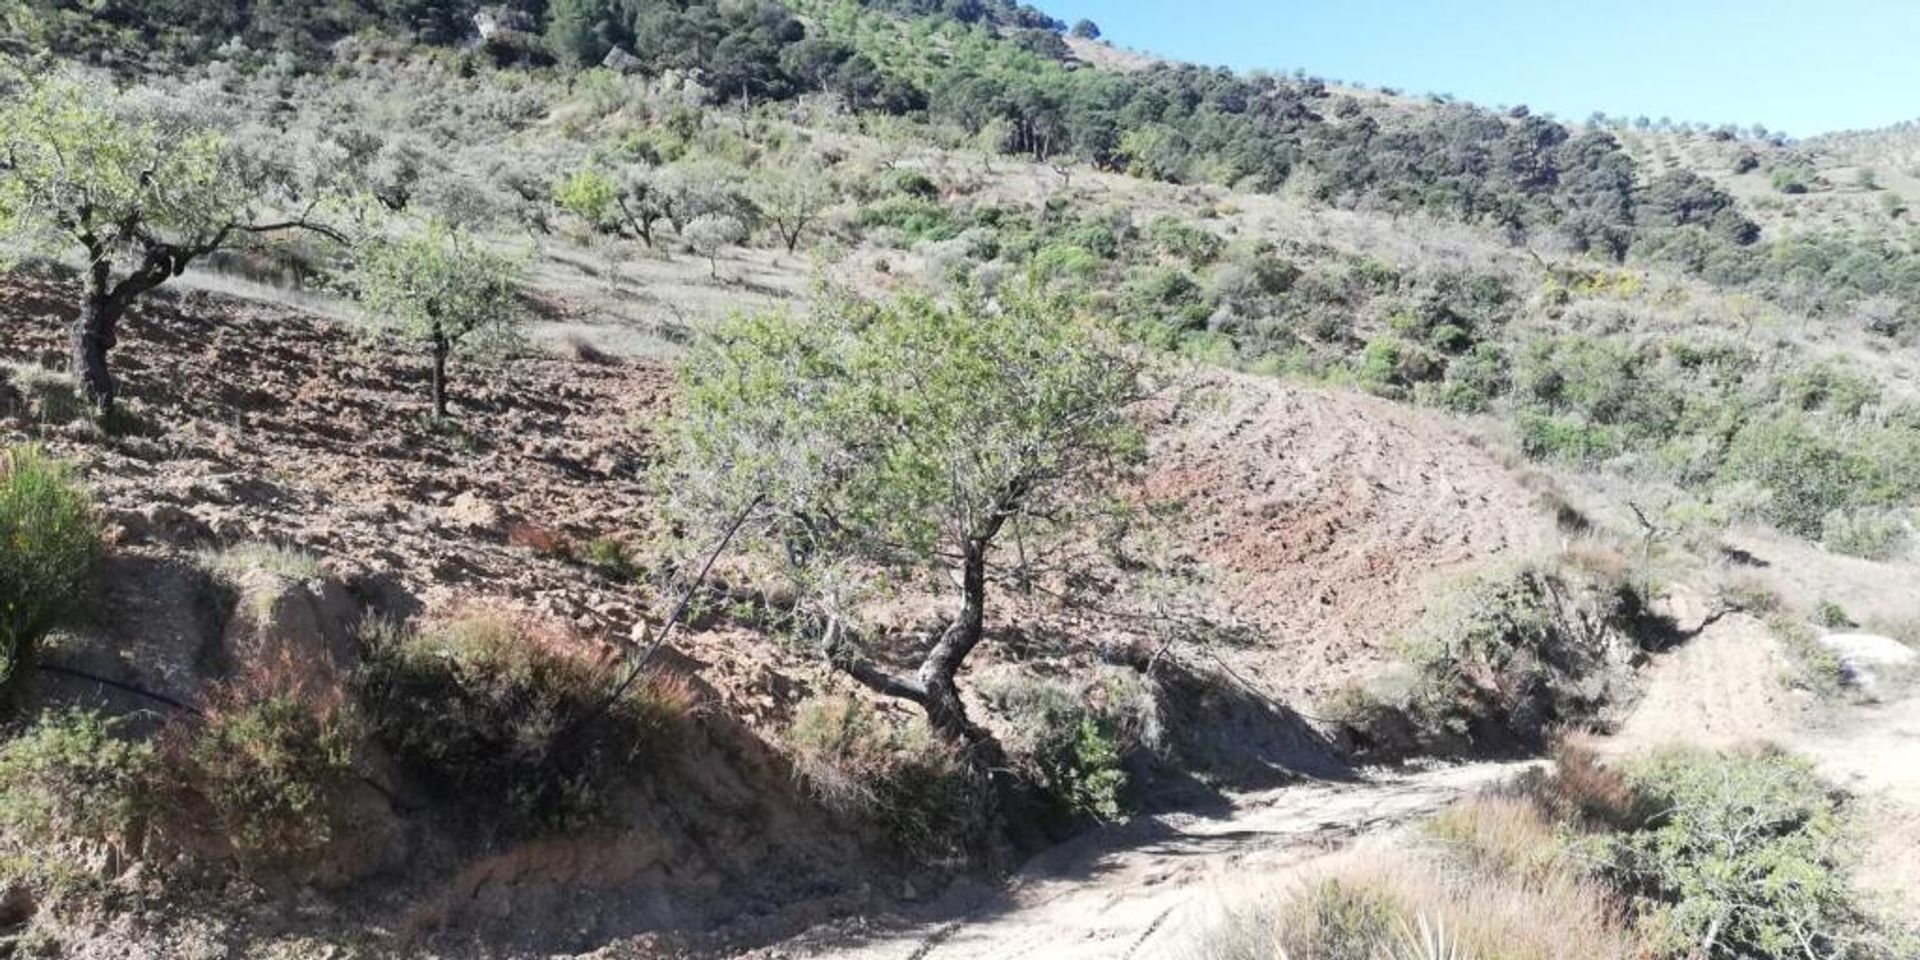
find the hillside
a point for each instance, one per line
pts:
(798, 478)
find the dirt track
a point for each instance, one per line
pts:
(1142, 889)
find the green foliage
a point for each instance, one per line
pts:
(918, 220)
(1338, 920)
(500, 718)
(1069, 745)
(1808, 470)
(1392, 367)
(50, 539)
(1742, 856)
(910, 422)
(611, 557)
(69, 777)
(858, 763)
(1872, 534)
(77, 173)
(1176, 237)
(270, 760)
(1791, 178)
(591, 195)
(442, 287)
(1503, 660)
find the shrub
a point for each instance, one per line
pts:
(859, 764)
(501, 717)
(610, 557)
(69, 777)
(1449, 903)
(1071, 741)
(1806, 468)
(1742, 855)
(1184, 240)
(1870, 534)
(1391, 366)
(49, 543)
(918, 220)
(269, 758)
(1503, 660)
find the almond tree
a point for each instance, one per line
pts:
(438, 285)
(141, 202)
(904, 439)
(790, 201)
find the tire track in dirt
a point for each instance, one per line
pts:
(1145, 887)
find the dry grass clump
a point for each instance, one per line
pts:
(240, 559)
(1379, 903)
(861, 765)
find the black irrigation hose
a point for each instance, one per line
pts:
(673, 620)
(162, 698)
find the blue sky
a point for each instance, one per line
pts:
(1794, 65)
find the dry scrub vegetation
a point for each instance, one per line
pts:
(1684, 855)
(408, 592)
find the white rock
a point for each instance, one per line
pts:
(1866, 659)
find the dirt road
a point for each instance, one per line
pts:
(1142, 889)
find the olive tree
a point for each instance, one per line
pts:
(140, 200)
(438, 285)
(906, 438)
(710, 234)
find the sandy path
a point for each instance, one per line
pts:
(1144, 888)
(1728, 687)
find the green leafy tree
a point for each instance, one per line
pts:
(909, 437)
(439, 285)
(141, 202)
(592, 196)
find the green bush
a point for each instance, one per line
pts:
(1742, 855)
(1391, 366)
(500, 717)
(1546, 437)
(68, 777)
(270, 760)
(1070, 742)
(859, 764)
(610, 557)
(1806, 468)
(1171, 235)
(49, 543)
(918, 220)
(1865, 533)
(1504, 660)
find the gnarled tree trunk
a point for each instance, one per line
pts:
(441, 348)
(95, 333)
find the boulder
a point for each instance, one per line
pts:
(1869, 661)
(620, 61)
(470, 511)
